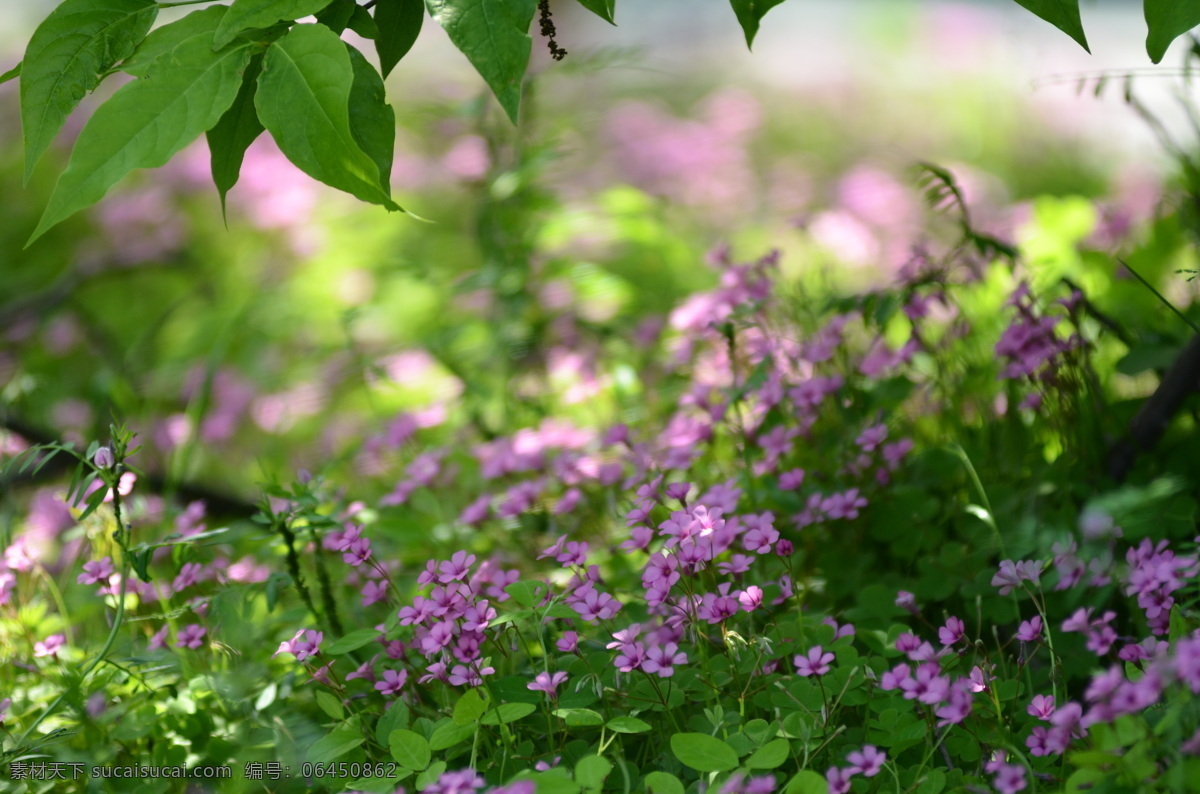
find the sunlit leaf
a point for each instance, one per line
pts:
(703, 753)
(67, 54)
(494, 35)
(247, 14)
(166, 38)
(303, 99)
(409, 749)
(605, 9)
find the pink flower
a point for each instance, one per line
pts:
(1041, 707)
(192, 636)
(662, 659)
(568, 642)
(1030, 630)
(392, 682)
(49, 646)
(815, 662)
(838, 780)
(866, 762)
(97, 571)
(374, 592)
(545, 682)
(304, 644)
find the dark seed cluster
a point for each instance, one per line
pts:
(547, 23)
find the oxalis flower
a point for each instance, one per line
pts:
(545, 682)
(815, 662)
(306, 643)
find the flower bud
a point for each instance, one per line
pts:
(104, 458)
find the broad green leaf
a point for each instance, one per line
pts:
(78, 42)
(11, 74)
(330, 704)
(336, 15)
(605, 8)
(663, 783)
(399, 23)
(703, 753)
(395, 717)
(1166, 21)
(237, 129)
(769, 756)
(580, 718)
(409, 749)
(146, 122)
(591, 771)
(526, 593)
(508, 712)
(749, 15)
(807, 781)
(351, 642)
(247, 14)
(494, 35)
(162, 40)
(372, 120)
(426, 778)
(449, 735)
(1062, 14)
(628, 725)
(335, 745)
(362, 23)
(469, 708)
(303, 99)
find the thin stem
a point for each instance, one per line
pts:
(1159, 295)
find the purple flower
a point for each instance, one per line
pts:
(50, 646)
(392, 682)
(630, 658)
(662, 659)
(907, 601)
(926, 685)
(464, 781)
(895, 678)
(815, 662)
(952, 632)
(374, 592)
(159, 639)
(456, 568)
(568, 642)
(1009, 779)
(1030, 630)
(838, 780)
(4, 706)
(750, 598)
(192, 636)
(103, 458)
(545, 682)
(304, 644)
(366, 671)
(97, 571)
(357, 552)
(866, 762)
(1012, 574)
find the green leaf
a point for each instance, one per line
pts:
(303, 99)
(807, 781)
(769, 756)
(663, 783)
(605, 8)
(336, 15)
(591, 771)
(526, 593)
(362, 23)
(330, 704)
(1166, 20)
(146, 122)
(628, 725)
(395, 717)
(409, 749)
(508, 712)
(449, 735)
(494, 36)
(372, 120)
(750, 13)
(247, 14)
(469, 708)
(352, 641)
(11, 74)
(67, 54)
(703, 753)
(165, 39)
(426, 778)
(580, 718)
(335, 745)
(1062, 14)
(233, 134)
(399, 23)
